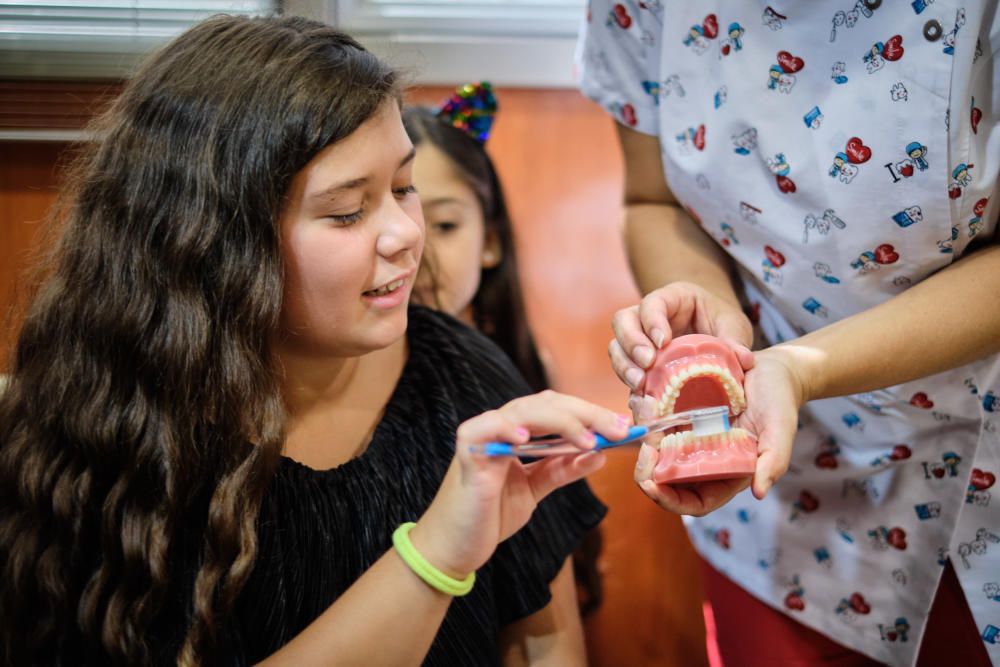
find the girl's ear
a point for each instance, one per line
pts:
(492, 250)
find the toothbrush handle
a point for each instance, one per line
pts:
(556, 447)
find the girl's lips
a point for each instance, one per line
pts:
(397, 294)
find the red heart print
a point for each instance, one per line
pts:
(893, 49)
(699, 138)
(621, 15)
(920, 400)
(785, 184)
(789, 63)
(954, 192)
(725, 49)
(857, 152)
(977, 115)
(775, 257)
(793, 601)
(897, 538)
(981, 205)
(891, 636)
(859, 604)
(938, 472)
(826, 460)
(886, 254)
(628, 114)
(808, 502)
(906, 170)
(710, 26)
(722, 538)
(981, 479)
(900, 453)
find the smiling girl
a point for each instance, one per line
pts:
(223, 416)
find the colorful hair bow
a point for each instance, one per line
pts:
(471, 108)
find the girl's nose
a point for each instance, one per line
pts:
(400, 231)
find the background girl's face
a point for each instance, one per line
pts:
(458, 244)
(352, 234)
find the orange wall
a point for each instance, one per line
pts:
(558, 158)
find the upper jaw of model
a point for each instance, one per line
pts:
(698, 371)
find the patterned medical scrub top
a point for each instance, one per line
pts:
(841, 153)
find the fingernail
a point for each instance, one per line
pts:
(643, 354)
(657, 335)
(523, 432)
(634, 377)
(632, 402)
(643, 459)
(624, 420)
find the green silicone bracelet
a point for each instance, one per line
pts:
(434, 577)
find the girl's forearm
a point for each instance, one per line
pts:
(387, 617)
(946, 321)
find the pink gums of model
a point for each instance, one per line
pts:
(698, 371)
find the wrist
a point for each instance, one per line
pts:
(437, 549)
(803, 366)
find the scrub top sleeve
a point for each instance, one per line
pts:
(618, 60)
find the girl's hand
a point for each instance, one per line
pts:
(484, 500)
(674, 310)
(774, 395)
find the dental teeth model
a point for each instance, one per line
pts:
(691, 372)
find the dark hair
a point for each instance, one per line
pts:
(143, 370)
(498, 306)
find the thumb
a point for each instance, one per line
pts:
(548, 475)
(735, 330)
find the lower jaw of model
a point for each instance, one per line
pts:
(699, 382)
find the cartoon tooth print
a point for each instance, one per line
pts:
(881, 52)
(952, 36)
(624, 111)
(652, 89)
(821, 224)
(699, 36)
(898, 92)
(745, 141)
(719, 535)
(977, 493)
(773, 261)
(844, 167)
(960, 177)
(992, 591)
(843, 527)
(654, 7)
(872, 260)
(837, 72)
(976, 222)
(780, 168)
(720, 97)
(825, 273)
(899, 577)
(948, 466)
(815, 307)
(977, 547)
(991, 403)
(619, 16)
(773, 19)
(728, 234)
(898, 631)
(848, 608)
(749, 212)
(813, 118)
(849, 18)
(691, 138)
(920, 5)
(702, 182)
(781, 77)
(927, 511)
(908, 216)
(672, 86)
(916, 160)
(734, 41)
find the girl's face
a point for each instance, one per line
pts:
(352, 234)
(458, 245)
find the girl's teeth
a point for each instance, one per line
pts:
(391, 287)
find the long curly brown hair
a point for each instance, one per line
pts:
(143, 419)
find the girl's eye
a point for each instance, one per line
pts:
(445, 227)
(348, 219)
(407, 190)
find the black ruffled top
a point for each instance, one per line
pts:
(319, 531)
